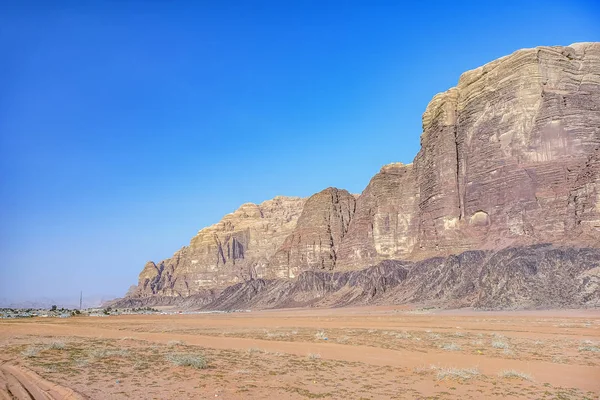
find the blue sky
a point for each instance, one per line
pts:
(125, 127)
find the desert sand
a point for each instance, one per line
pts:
(346, 353)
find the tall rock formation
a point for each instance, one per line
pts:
(384, 224)
(235, 249)
(509, 157)
(502, 152)
(320, 230)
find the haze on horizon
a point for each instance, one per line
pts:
(125, 127)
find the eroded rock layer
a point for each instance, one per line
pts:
(234, 250)
(509, 157)
(385, 223)
(511, 278)
(320, 230)
(504, 151)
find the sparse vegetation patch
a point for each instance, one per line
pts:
(455, 373)
(512, 374)
(451, 347)
(197, 361)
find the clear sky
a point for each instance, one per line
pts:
(126, 126)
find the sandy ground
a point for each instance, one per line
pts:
(350, 353)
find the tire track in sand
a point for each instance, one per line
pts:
(20, 383)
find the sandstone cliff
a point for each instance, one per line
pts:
(385, 221)
(235, 249)
(503, 151)
(319, 232)
(509, 157)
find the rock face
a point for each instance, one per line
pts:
(512, 278)
(510, 157)
(385, 223)
(235, 249)
(318, 234)
(503, 151)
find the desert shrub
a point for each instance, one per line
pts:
(254, 350)
(512, 374)
(403, 335)
(593, 349)
(55, 345)
(321, 335)
(498, 344)
(105, 353)
(455, 373)
(343, 339)
(197, 361)
(30, 351)
(276, 334)
(450, 347)
(588, 345)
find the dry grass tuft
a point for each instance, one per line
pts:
(252, 350)
(105, 353)
(242, 371)
(512, 374)
(197, 361)
(451, 347)
(455, 373)
(314, 356)
(498, 344)
(588, 345)
(276, 334)
(321, 335)
(403, 335)
(30, 352)
(343, 339)
(56, 345)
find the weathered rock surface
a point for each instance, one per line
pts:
(509, 157)
(504, 151)
(385, 223)
(235, 249)
(320, 229)
(517, 277)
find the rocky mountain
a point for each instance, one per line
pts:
(320, 230)
(234, 250)
(385, 222)
(502, 152)
(504, 157)
(511, 278)
(509, 158)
